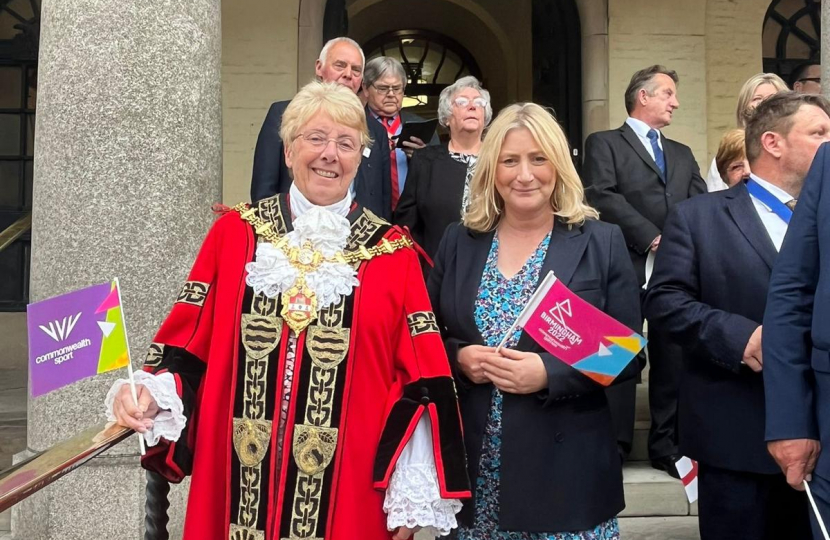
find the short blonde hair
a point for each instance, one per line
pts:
(568, 198)
(732, 148)
(749, 88)
(337, 101)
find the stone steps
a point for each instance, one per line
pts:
(659, 528)
(653, 493)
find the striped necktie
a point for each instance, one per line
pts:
(392, 125)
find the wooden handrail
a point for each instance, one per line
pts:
(37, 472)
(15, 231)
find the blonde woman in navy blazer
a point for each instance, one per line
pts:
(541, 448)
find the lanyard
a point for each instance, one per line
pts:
(771, 201)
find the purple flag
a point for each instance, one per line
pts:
(75, 336)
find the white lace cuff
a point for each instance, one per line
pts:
(170, 420)
(414, 500)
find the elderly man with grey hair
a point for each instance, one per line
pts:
(341, 61)
(384, 84)
(438, 188)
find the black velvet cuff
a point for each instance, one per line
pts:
(451, 458)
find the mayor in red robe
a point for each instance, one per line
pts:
(295, 417)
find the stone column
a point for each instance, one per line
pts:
(127, 164)
(593, 15)
(310, 39)
(825, 49)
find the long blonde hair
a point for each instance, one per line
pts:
(749, 88)
(568, 198)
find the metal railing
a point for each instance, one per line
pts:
(15, 231)
(30, 476)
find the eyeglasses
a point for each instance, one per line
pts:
(816, 80)
(462, 102)
(318, 140)
(384, 89)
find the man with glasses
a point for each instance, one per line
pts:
(384, 83)
(806, 78)
(341, 61)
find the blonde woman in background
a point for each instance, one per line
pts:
(755, 90)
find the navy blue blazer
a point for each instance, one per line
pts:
(560, 467)
(708, 291)
(797, 321)
(373, 182)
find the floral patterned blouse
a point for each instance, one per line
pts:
(498, 304)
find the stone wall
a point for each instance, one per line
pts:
(714, 45)
(645, 32)
(733, 54)
(259, 66)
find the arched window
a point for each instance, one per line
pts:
(431, 60)
(792, 35)
(19, 35)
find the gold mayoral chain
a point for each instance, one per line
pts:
(299, 302)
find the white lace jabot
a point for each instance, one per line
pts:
(327, 230)
(300, 204)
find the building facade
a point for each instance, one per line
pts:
(574, 55)
(149, 112)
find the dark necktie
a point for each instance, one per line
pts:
(391, 126)
(791, 204)
(659, 158)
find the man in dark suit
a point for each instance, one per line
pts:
(384, 84)
(633, 175)
(708, 291)
(341, 60)
(796, 345)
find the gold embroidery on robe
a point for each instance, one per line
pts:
(193, 293)
(422, 322)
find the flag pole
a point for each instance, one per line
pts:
(531, 306)
(815, 509)
(129, 364)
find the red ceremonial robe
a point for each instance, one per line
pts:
(363, 374)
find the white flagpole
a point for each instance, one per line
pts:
(815, 509)
(531, 306)
(129, 364)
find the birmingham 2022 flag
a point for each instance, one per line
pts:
(577, 333)
(75, 336)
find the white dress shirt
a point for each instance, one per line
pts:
(641, 129)
(713, 180)
(775, 226)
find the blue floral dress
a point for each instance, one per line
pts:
(498, 304)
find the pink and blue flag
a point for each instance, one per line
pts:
(577, 333)
(75, 336)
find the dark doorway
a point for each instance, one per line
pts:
(432, 62)
(557, 65)
(19, 35)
